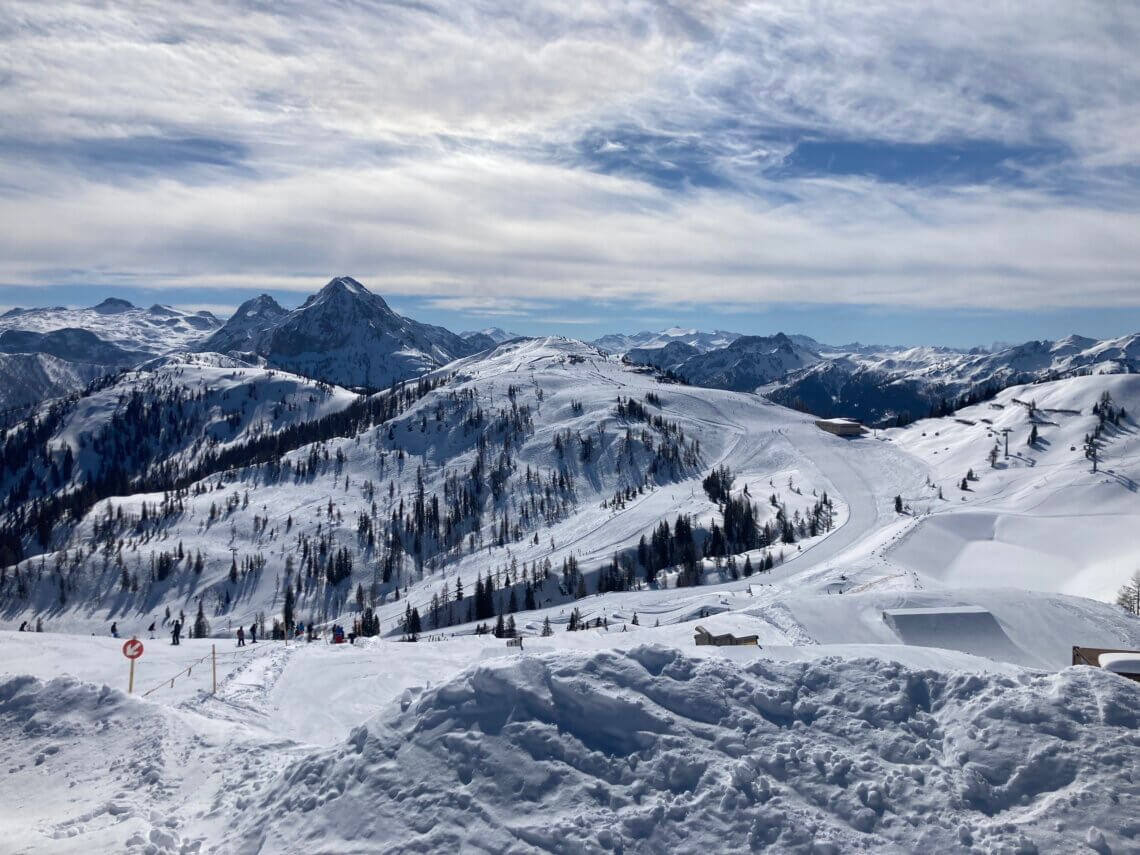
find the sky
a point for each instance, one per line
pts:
(876, 171)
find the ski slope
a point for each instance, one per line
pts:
(1040, 515)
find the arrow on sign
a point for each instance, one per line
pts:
(133, 649)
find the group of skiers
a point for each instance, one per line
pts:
(175, 629)
(338, 633)
(252, 635)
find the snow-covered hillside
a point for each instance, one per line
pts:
(1040, 514)
(638, 743)
(910, 690)
(28, 378)
(52, 352)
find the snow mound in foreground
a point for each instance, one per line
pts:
(91, 769)
(652, 750)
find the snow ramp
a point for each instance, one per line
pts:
(970, 629)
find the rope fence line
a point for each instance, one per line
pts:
(188, 670)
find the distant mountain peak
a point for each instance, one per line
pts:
(343, 293)
(113, 305)
(262, 305)
(495, 335)
(344, 334)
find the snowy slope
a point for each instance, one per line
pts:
(169, 416)
(1040, 514)
(908, 694)
(564, 393)
(28, 378)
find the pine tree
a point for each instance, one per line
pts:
(748, 571)
(898, 504)
(635, 621)
(201, 627)
(290, 604)
(547, 630)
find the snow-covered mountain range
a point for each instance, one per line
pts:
(700, 341)
(491, 335)
(899, 386)
(744, 365)
(249, 328)
(347, 335)
(881, 385)
(157, 330)
(48, 352)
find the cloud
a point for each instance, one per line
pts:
(969, 155)
(487, 306)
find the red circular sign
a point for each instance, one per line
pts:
(132, 649)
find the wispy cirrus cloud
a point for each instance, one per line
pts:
(973, 155)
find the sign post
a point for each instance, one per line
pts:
(132, 649)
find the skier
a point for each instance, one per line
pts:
(176, 633)
(241, 637)
(253, 633)
(114, 630)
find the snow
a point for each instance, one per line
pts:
(880, 384)
(1014, 514)
(28, 378)
(1120, 663)
(157, 330)
(647, 748)
(910, 692)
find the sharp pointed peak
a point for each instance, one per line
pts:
(345, 283)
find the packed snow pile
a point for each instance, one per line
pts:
(89, 769)
(652, 750)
